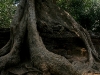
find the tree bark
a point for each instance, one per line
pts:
(29, 15)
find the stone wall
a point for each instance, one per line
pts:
(50, 42)
(4, 36)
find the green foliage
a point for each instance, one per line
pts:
(86, 12)
(7, 9)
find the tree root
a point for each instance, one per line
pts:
(5, 49)
(12, 48)
(8, 60)
(41, 58)
(84, 35)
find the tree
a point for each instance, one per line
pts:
(85, 12)
(25, 38)
(7, 9)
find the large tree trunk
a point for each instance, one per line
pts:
(26, 38)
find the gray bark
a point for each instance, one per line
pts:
(24, 27)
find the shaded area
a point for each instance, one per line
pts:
(64, 43)
(4, 36)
